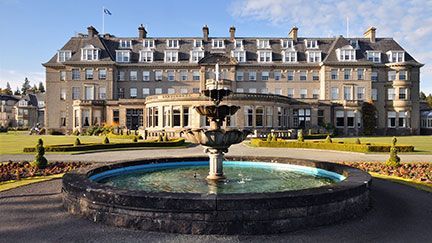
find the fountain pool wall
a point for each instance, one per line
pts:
(199, 213)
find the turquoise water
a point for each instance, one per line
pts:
(242, 177)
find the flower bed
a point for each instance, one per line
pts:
(352, 147)
(100, 146)
(15, 171)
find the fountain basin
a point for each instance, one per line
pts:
(216, 138)
(225, 213)
(217, 112)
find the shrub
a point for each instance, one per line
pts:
(77, 142)
(55, 132)
(76, 132)
(394, 160)
(106, 140)
(40, 161)
(357, 141)
(328, 139)
(3, 129)
(315, 136)
(135, 139)
(165, 137)
(117, 136)
(274, 138)
(300, 137)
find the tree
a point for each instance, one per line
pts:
(429, 100)
(26, 86)
(17, 92)
(41, 87)
(369, 118)
(8, 89)
(422, 96)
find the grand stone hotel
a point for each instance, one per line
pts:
(281, 83)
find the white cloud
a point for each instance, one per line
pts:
(16, 77)
(408, 22)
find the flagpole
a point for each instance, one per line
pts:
(103, 20)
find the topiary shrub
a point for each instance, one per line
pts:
(300, 137)
(135, 139)
(357, 141)
(269, 137)
(328, 139)
(394, 160)
(274, 138)
(106, 141)
(160, 138)
(165, 138)
(40, 161)
(77, 142)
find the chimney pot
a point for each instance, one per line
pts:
(293, 33)
(92, 32)
(370, 33)
(232, 33)
(205, 30)
(142, 33)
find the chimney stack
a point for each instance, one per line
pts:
(232, 33)
(92, 32)
(293, 33)
(205, 32)
(142, 33)
(370, 33)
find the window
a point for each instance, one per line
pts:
(146, 56)
(102, 73)
(347, 73)
(89, 53)
(315, 93)
(252, 90)
(264, 91)
(147, 43)
(195, 90)
(134, 118)
(290, 75)
(334, 93)
(133, 75)
(282, 117)
(390, 94)
(122, 56)
(176, 116)
(146, 92)
(240, 56)
(374, 56)
(238, 44)
(64, 56)
(121, 75)
(217, 43)
(89, 73)
(183, 91)
(391, 119)
(196, 56)
(402, 119)
(171, 91)
(361, 93)
(125, 44)
(290, 92)
(277, 75)
(171, 56)
(391, 75)
(402, 75)
(63, 118)
(315, 75)
(374, 76)
(252, 76)
(239, 76)
(75, 74)
(116, 116)
(311, 44)
(197, 43)
(264, 76)
(85, 118)
(403, 93)
(158, 91)
(374, 94)
(346, 55)
(62, 75)
(89, 92)
(269, 116)
(321, 120)
(171, 75)
(248, 116)
(289, 56)
(102, 93)
(303, 93)
(183, 75)
(146, 75)
(62, 94)
(287, 44)
(313, 56)
(239, 90)
(172, 44)
(303, 75)
(263, 44)
(75, 93)
(278, 91)
(196, 76)
(264, 56)
(259, 117)
(334, 74)
(347, 93)
(158, 75)
(350, 118)
(360, 73)
(121, 93)
(301, 118)
(340, 119)
(185, 116)
(396, 56)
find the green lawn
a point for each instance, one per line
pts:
(14, 142)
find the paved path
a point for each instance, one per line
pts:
(34, 213)
(240, 149)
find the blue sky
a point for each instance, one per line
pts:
(32, 31)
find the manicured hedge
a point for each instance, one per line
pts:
(100, 146)
(124, 136)
(363, 148)
(315, 136)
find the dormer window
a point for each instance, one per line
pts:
(146, 56)
(148, 44)
(263, 44)
(313, 56)
(64, 56)
(218, 43)
(396, 56)
(240, 56)
(289, 56)
(122, 56)
(238, 44)
(125, 44)
(89, 53)
(264, 56)
(287, 44)
(198, 44)
(355, 44)
(195, 56)
(374, 56)
(346, 54)
(171, 56)
(311, 44)
(172, 43)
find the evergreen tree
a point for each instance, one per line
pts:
(429, 100)
(369, 118)
(422, 96)
(41, 87)
(8, 89)
(26, 86)
(17, 92)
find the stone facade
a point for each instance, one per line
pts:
(22, 111)
(280, 83)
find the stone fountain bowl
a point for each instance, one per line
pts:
(217, 138)
(217, 94)
(214, 111)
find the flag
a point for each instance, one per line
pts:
(106, 11)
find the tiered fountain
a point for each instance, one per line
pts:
(216, 140)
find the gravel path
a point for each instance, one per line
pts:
(34, 213)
